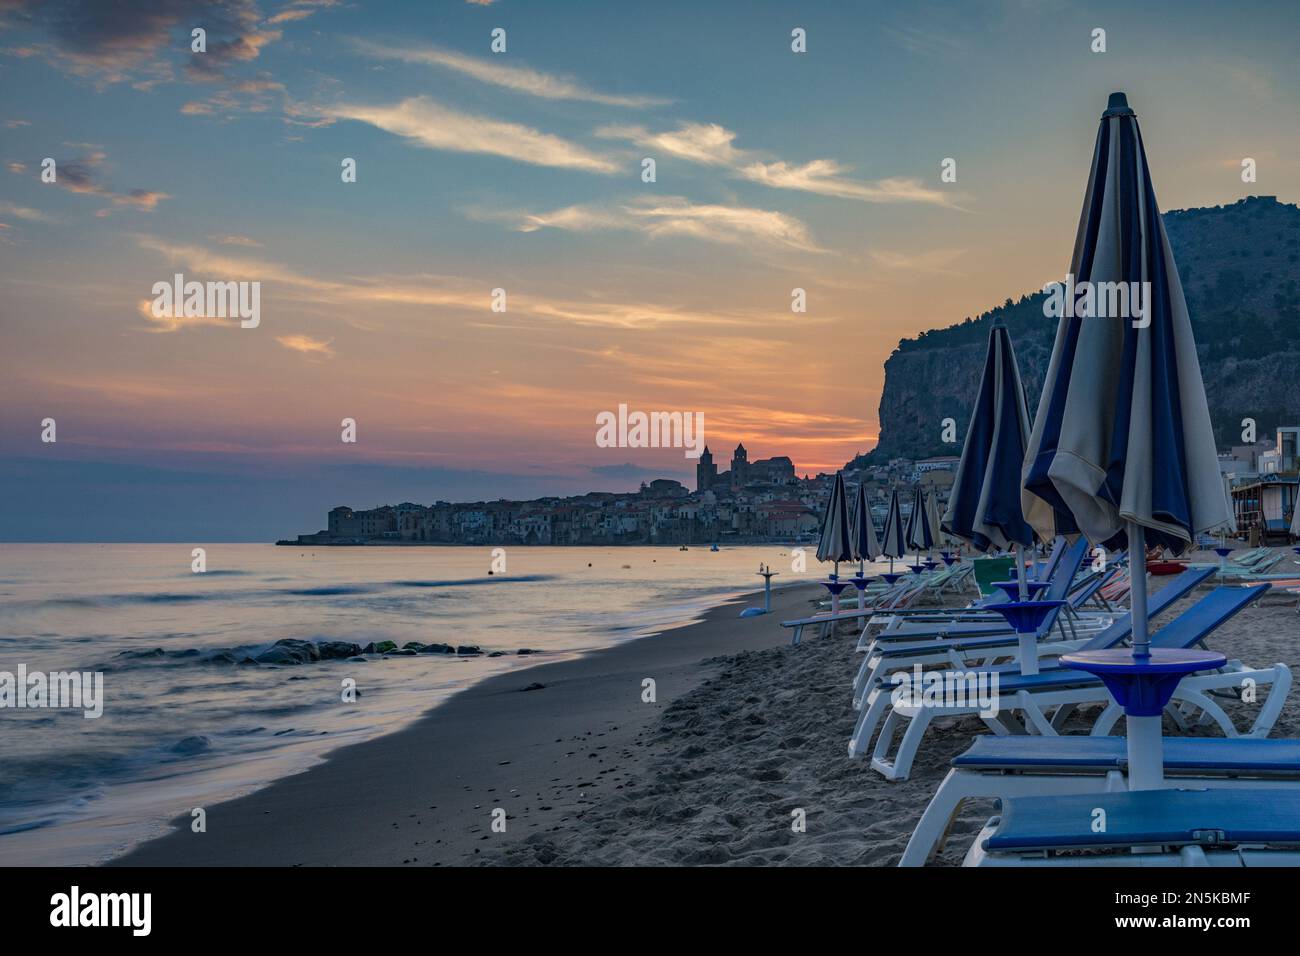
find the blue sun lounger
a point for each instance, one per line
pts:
(962, 652)
(1171, 827)
(1060, 690)
(1043, 572)
(1062, 583)
(1005, 767)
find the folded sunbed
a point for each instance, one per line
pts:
(1045, 700)
(1005, 767)
(1145, 828)
(887, 657)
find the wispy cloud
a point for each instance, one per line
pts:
(427, 123)
(79, 175)
(299, 10)
(101, 41)
(924, 42)
(823, 176)
(23, 212)
(236, 240)
(710, 144)
(931, 261)
(178, 322)
(314, 348)
(424, 292)
(668, 216)
(519, 79)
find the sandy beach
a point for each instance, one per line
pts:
(745, 731)
(424, 795)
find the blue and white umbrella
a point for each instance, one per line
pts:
(920, 535)
(834, 544)
(932, 516)
(1122, 441)
(866, 546)
(984, 504)
(893, 544)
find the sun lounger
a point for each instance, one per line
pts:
(1219, 828)
(1061, 584)
(975, 609)
(884, 659)
(1046, 699)
(1005, 767)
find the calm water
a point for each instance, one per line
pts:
(183, 727)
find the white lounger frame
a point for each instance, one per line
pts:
(1044, 712)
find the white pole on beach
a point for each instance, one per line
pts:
(1027, 640)
(1145, 738)
(767, 589)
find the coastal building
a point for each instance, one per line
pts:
(739, 468)
(706, 472)
(1265, 503)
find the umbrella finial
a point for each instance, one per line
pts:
(1118, 106)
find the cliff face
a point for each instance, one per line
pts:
(1240, 269)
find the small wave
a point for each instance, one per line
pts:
(325, 591)
(466, 582)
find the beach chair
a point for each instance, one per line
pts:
(887, 657)
(1220, 828)
(1044, 571)
(1007, 767)
(1061, 582)
(1045, 700)
(902, 594)
(978, 621)
(977, 640)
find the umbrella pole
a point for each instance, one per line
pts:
(1020, 572)
(835, 594)
(1137, 560)
(1145, 738)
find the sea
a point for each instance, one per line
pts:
(186, 722)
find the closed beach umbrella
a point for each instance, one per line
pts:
(932, 518)
(834, 544)
(893, 544)
(866, 546)
(920, 536)
(1122, 440)
(1295, 521)
(984, 505)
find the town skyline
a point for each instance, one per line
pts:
(750, 502)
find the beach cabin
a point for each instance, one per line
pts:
(1266, 502)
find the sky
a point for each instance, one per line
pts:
(522, 170)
